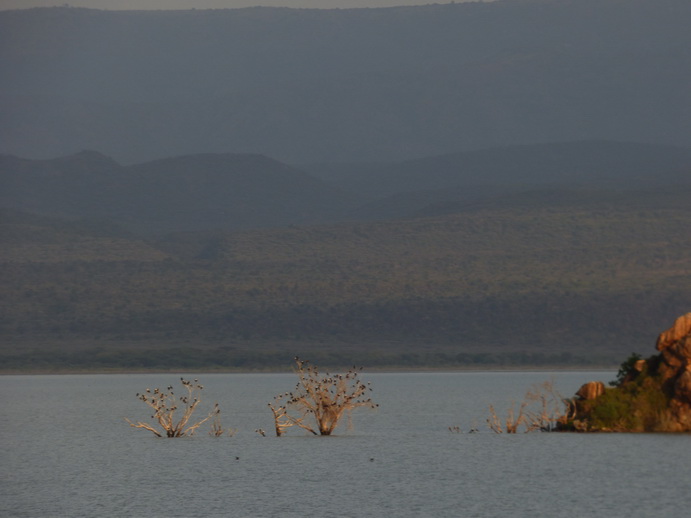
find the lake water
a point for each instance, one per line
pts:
(67, 452)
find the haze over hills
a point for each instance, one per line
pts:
(589, 162)
(234, 191)
(196, 192)
(349, 85)
(419, 187)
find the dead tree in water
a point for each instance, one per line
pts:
(542, 408)
(512, 421)
(165, 405)
(282, 420)
(547, 407)
(217, 429)
(319, 401)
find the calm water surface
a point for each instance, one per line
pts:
(68, 452)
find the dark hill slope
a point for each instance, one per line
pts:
(565, 164)
(231, 191)
(76, 185)
(594, 170)
(185, 193)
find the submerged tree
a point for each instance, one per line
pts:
(319, 402)
(547, 408)
(513, 420)
(218, 430)
(542, 409)
(166, 406)
(282, 421)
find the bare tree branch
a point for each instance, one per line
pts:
(319, 402)
(165, 405)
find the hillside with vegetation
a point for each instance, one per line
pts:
(512, 284)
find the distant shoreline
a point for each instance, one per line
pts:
(378, 370)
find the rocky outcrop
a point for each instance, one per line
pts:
(591, 390)
(675, 347)
(649, 395)
(675, 369)
(680, 329)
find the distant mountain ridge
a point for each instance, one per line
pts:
(195, 192)
(416, 187)
(587, 162)
(204, 192)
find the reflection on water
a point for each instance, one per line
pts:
(68, 452)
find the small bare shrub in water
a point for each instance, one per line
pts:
(174, 414)
(319, 402)
(542, 409)
(512, 421)
(547, 408)
(217, 429)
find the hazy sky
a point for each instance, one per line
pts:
(213, 4)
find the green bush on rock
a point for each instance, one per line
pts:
(651, 395)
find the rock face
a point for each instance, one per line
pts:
(675, 369)
(680, 329)
(591, 390)
(650, 395)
